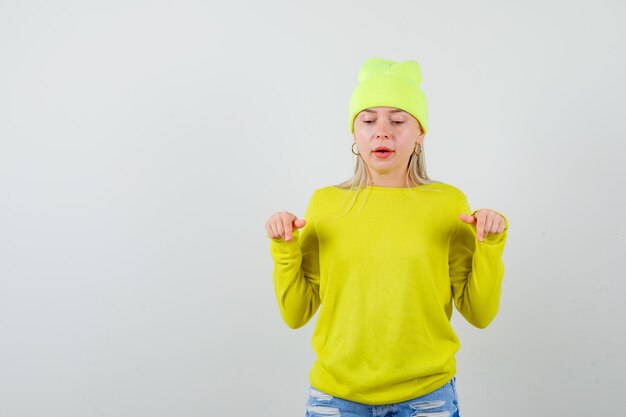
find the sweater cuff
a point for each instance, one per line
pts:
(279, 245)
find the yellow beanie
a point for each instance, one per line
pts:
(387, 83)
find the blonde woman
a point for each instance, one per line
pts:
(384, 256)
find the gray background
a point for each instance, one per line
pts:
(144, 145)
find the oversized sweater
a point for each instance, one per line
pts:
(384, 269)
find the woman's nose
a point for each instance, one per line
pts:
(382, 131)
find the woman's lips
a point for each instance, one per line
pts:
(383, 154)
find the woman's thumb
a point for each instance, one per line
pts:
(466, 218)
(298, 223)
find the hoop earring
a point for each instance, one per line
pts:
(357, 153)
(416, 146)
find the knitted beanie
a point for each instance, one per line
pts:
(387, 83)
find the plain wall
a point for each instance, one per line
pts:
(144, 144)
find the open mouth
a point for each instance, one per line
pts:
(383, 153)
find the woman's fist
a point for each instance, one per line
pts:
(281, 224)
(485, 221)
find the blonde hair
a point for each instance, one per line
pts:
(416, 175)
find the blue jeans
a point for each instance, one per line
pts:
(442, 402)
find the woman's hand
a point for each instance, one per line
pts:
(485, 221)
(281, 224)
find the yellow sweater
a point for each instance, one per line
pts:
(384, 273)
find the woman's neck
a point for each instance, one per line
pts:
(388, 181)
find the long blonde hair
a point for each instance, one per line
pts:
(415, 176)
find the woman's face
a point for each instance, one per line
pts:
(391, 128)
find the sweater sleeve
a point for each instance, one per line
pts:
(296, 272)
(476, 270)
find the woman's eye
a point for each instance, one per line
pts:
(393, 121)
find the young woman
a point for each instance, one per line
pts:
(384, 256)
